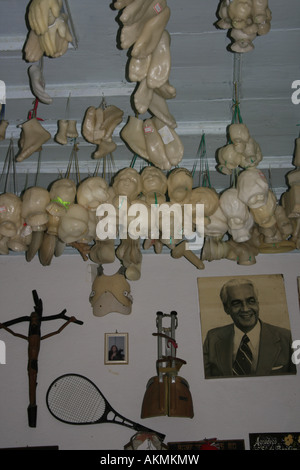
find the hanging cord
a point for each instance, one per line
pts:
(204, 176)
(236, 114)
(236, 119)
(72, 27)
(6, 171)
(73, 162)
(38, 168)
(67, 110)
(33, 112)
(133, 160)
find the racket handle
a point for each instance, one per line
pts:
(141, 428)
(32, 414)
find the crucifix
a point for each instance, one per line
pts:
(34, 338)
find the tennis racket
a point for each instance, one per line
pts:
(74, 399)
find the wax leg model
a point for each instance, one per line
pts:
(72, 130)
(143, 97)
(38, 84)
(138, 68)
(159, 108)
(33, 137)
(151, 34)
(173, 146)
(133, 134)
(135, 11)
(160, 65)
(47, 249)
(61, 136)
(120, 4)
(3, 127)
(131, 32)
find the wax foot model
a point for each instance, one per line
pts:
(32, 138)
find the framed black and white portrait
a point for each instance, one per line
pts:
(245, 326)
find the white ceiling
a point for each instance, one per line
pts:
(202, 71)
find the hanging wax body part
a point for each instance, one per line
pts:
(98, 127)
(144, 31)
(49, 31)
(245, 20)
(110, 294)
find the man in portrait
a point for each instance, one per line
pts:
(247, 346)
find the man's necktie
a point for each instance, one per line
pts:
(243, 360)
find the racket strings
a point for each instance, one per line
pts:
(74, 399)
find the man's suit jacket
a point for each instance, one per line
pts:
(274, 358)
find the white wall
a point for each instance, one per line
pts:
(224, 408)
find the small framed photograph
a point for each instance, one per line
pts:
(116, 348)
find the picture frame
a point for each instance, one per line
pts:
(116, 348)
(217, 326)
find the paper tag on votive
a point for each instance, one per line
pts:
(157, 8)
(2, 208)
(26, 230)
(166, 135)
(148, 129)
